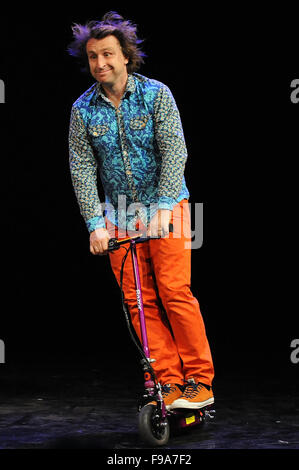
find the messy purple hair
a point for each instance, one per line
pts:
(112, 24)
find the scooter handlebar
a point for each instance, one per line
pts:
(114, 243)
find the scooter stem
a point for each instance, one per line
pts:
(139, 299)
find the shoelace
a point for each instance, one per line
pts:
(191, 390)
(167, 389)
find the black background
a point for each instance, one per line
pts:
(230, 73)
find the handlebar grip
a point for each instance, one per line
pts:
(112, 244)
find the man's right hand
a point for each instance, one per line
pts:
(99, 241)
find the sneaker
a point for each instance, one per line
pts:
(170, 392)
(194, 396)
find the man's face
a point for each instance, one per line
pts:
(106, 60)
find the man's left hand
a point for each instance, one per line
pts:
(159, 225)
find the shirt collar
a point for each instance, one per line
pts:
(130, 88)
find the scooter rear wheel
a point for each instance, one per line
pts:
(152, 429)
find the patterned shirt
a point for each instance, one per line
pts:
(138, 149)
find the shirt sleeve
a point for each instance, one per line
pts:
(171, 143)
(83, 168)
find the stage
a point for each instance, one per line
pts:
(85, 407)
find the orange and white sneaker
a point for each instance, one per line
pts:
(195, 396)
(170, 392)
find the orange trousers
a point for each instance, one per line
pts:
(175, 328)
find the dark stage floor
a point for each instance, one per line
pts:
(75, 407)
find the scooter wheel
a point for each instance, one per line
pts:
(152, 429)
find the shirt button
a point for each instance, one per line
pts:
(125, 153)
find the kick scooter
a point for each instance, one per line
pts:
(153, 418)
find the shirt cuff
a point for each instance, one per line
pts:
(165, 202)
(95, 222)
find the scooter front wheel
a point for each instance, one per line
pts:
(153, 429)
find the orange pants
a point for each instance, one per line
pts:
(175, 328)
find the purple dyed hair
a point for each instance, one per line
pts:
(112, 24)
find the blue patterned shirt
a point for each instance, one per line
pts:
(138, 149)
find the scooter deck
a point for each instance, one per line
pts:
(186, 417)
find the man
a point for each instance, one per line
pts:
(128, 128)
